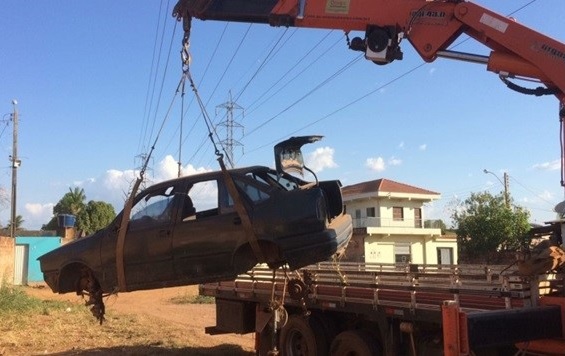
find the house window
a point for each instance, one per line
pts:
(417, 217)
(371, 212)
(397, 213)
(357, 214)
(444, 255)
(402, 252)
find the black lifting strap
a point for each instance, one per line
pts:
(242, 212)
(120, 241)
(230, 185)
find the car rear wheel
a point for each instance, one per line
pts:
(88, 285)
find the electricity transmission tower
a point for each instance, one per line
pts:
(139, 163)
(229, 142)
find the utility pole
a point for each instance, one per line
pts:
(15, 164)
(229, 123)
(505, 183)
(506, 190)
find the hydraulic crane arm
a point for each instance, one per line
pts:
(430, 26)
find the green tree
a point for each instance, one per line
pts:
(19, 221)
(436, 224)
(90, 216)
(71, 203)
(485, 225)
(99, 215)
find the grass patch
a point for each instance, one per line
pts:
(32, 326)
(15, 301)
(193, 299)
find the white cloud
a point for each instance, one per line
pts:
(376, 164)
(320, 159)
(401, 145)
(37, 214)
(167, 169)
(546, 195)
(423, 147)
(111, 187)
(393, 161)
(542, 198)
(548, 166)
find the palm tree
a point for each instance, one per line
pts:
(76, 198)
(19, 221)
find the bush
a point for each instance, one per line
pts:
(16, 301)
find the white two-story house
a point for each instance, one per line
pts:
(388, 221)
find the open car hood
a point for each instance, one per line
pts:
(288, 156)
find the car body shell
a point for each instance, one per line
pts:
(168, 242)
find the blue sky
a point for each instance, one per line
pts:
(94, 82)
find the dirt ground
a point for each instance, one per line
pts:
(152, 322)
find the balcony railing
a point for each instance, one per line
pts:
(386, 222)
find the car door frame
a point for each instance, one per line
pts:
(148, 260)
(204, 246)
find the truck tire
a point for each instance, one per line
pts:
(265, 342)
(355, 343)
(303, 337)
(328, 325)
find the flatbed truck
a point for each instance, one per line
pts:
(387, 309)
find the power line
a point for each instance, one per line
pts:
(147, 113)
(205, 139)
(288, 82)
(355, 101)
(297, 75)
(209, 62)
(279, 79)
(265, 60)
(310, 92)
(538, 195)
(369, 93)
(350, 103)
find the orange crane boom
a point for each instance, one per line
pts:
(517, 52)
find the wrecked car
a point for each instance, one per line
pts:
(188, 231)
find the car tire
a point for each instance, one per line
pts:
(88, 285)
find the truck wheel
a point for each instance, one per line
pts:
(265, 342)
(303, 337)
(328, 325)
(355, 343)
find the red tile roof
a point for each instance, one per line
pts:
(383, 185)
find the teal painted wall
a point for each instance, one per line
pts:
(38, 245)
